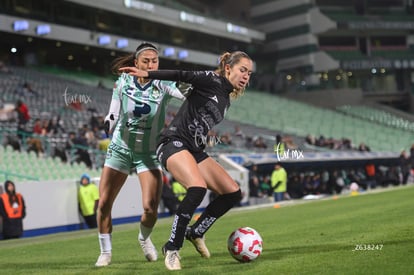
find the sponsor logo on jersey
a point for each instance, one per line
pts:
(145, 95)
(214, 98)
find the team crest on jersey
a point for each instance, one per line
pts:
(155, 93)
(177, 143)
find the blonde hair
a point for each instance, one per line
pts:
(231, 59)
(128, 60)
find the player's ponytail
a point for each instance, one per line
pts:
(129, 59)
(223, 61)
(122, 61)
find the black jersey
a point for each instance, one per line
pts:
(204, 108)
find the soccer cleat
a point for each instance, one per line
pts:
(149, 249)
(104, 259)
(199, 244)
(172, 259)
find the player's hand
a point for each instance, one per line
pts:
(109, 124)
(134, 71)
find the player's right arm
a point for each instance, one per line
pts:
(196, 78)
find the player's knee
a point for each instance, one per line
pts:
(234, 197)
(192, 199)
(104, 206)
(151, 208)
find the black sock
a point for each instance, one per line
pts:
(185, 211)
(213, 211)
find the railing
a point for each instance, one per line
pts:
(7, 175)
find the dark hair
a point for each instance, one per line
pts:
(12, 194)
(128, 60)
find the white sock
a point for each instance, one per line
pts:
(144, 232)
(105, 242)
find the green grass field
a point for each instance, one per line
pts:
(314, 237)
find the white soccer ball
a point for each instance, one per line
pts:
(245, 244)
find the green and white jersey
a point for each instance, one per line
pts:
(142, 112)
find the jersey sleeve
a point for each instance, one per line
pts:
(171, 89)
(119, 84)
(115, 105)
(196, 78)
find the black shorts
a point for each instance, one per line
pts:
(170, 147)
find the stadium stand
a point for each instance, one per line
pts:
(379, 116)
(295, 118)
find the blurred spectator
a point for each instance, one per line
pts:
(307, 183)
(22, 110)
(405, 166)
(12, 211)
(338, 182)
(35, 144)
(289, 142)
(310, 140)
(259, 143)
(26, 90)
(324, 187)
(238, 131)
(169, 200)
(266, 186)
(55, 126)
(391, 176)
(363, 147)
(100, 85)
(225, 139)
(371, 179)
(75, 105)
(88, 198)
(254, 191)
(279, 147)
(312, 183)
(178, 190)
(22, 118)
(91, 138)
(279, 182)
(295, 187)
(248, 143)
(316, 183)
(37, 127)
(238, 137)
(76, 147)
(347, 144)
(96, 121)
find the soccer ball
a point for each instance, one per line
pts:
(245, 244)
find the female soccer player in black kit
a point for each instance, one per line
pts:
(181, 148)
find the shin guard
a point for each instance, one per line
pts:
(183, 216)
